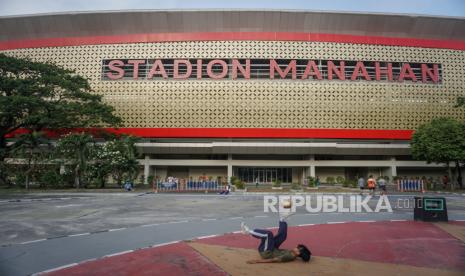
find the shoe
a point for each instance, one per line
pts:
(244, 228)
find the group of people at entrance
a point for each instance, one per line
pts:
(371, 184)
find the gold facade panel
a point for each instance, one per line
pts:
(268, 103)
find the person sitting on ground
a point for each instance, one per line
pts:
(226, 190)
(269, 244)
(128, 186)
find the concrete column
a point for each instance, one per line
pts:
(62, 169)
(312, 171)
(146, 170)
(312, 167)
(393, 170)
(230, 170)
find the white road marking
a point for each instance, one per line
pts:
(117, 229)
(69, 205)
(76, 235)
(209, 219)
(237, 232)
(148, 225)
(163, 244)
(394, 220)
(236, 218)
(33, 241)
(119, 253)
(179, 221)
(459, 220)
(336, 222)
(206, 237)
(56, 268)
(308, 224)
(366, 221)
(260, 216)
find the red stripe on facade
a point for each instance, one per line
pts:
(277, 133)
(232, 36)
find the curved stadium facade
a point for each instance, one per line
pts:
(261, 95)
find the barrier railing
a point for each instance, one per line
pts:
(186, 186)
(411, 185)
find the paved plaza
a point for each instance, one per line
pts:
(79, 231)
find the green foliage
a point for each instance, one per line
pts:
(117, 157)
(239, 184)
(345, 183)
(296, 186)
(35, 96)
(19, 178)
(75, 150)
(277, 183)
(330, 180)
(349, 183)
(353, 183)
(52, 178)
(33, 149)
(340, 180)
(440, 141)
(311, 181)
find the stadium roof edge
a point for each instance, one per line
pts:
(232, 10)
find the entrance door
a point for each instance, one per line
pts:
(261, 176)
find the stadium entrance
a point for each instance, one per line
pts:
(265, 175)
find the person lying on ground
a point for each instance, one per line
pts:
(269, 244)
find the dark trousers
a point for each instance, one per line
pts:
(268, 241)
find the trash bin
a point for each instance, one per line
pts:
(430, 209)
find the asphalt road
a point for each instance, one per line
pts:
(39, 233)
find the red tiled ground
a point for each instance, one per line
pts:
(175, 259)
(410, 243)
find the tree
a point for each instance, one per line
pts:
(116, 157)
(124, 163)
(34, 147)
(74, 149)
(440, 141)
(35, 96)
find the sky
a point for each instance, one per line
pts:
(453, 8)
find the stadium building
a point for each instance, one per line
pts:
(261, 95)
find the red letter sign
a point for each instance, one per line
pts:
(274, 66)
(186, 75)
(155, 71)
(136, 63)
(113, 66)
(237, 65)
(407, 72)
(434, 76)
(221, 75)
(360, 67)
(333, 69)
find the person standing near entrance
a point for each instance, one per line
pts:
(382, 185)
(256, 182)
(361, 184)
(371, 183)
